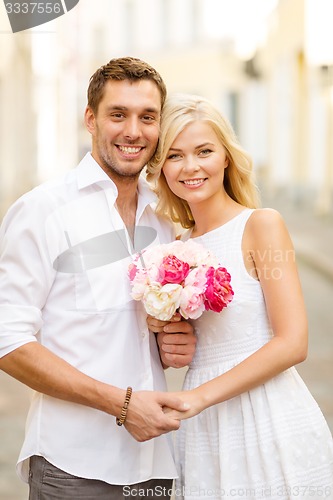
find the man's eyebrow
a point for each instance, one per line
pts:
(152, 110)
(119, 107)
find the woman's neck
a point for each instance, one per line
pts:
(213, 213)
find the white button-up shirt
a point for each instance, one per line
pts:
(63, 283)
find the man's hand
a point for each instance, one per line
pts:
(146, 418)
(176, 341)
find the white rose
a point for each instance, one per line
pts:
(161, 302)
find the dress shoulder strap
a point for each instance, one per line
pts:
(242, 218)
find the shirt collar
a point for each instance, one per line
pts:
(89, 173)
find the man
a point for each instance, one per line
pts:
(68, 327)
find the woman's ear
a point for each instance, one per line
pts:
(89, 119)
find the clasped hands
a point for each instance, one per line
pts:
(153, 413)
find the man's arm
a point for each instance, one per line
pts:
(43, 371)
(27, 276)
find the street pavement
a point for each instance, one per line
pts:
(313, 240)
(312, 236)
(14, 400)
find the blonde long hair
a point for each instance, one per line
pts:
(179, 111)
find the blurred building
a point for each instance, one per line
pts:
(264, 72)
(17, 118)
(38, 99)
(297, 74)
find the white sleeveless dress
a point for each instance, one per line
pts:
(271, 442)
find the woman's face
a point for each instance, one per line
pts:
(195, 163)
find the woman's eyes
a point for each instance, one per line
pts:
(173, 156)
(202, 152)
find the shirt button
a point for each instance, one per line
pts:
(143, 334)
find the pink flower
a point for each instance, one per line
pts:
(179, 276)
(132, 270)
(218, 292)
(139, 284)
(193, 253)
(197, 277)
(191, 302)
(173, 270)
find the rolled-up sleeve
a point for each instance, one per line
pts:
(25, 272)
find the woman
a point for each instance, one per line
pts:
(256, 430)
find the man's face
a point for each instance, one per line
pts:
(125, 128)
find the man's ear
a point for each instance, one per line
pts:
(89, 119)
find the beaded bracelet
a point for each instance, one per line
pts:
(123, 414)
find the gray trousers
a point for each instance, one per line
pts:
(47, 482)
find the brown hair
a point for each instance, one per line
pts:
(123, 68)
(179, 111)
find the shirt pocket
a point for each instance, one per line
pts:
(104, 288)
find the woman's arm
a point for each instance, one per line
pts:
(268, 252)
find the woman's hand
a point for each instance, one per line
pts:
(192, 398)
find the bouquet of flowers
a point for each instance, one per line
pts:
(180, 277)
